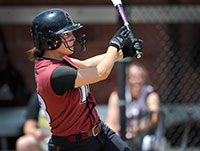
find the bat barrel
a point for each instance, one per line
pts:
(121, 12)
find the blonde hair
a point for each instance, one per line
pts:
(34, 53)
(141, 66)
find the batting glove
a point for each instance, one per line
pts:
(129, 50)
(120, 38)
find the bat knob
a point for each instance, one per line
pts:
(138, 54)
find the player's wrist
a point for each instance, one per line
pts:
(114, 45)
(119, 55)
(112, 48)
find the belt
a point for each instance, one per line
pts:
(80, 136)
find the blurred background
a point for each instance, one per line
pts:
(170, 30)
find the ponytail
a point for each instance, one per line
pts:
(34, 53)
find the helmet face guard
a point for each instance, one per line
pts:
(48, 26)
(79, 42)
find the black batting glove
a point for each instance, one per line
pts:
(120, 38)
(130, 49)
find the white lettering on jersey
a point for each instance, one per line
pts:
(43, 106)
(84, 93)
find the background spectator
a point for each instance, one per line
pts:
(142, 106)
(36, 129)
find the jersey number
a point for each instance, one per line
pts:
(84, 93)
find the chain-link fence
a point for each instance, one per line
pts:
(174, 35)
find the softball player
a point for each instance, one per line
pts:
(36, 128)
(142, 108)
(62, 82)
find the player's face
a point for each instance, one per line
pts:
(136, 77)
(67, 46)
(69, 40)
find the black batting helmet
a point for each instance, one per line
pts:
(48, 26)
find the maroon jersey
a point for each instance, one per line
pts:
(69, 113)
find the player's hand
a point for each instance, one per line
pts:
(39, 135)
(120, 38)
(129, 50)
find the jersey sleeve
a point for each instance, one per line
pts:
(63, 79)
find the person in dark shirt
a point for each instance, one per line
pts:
(36, 132)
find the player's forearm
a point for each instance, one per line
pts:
(88, 63)
(146, 126)
(105, 66)
(93, 61)
(150, 124)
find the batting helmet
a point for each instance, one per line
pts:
(48, 26)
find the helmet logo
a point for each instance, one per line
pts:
(67, 15)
